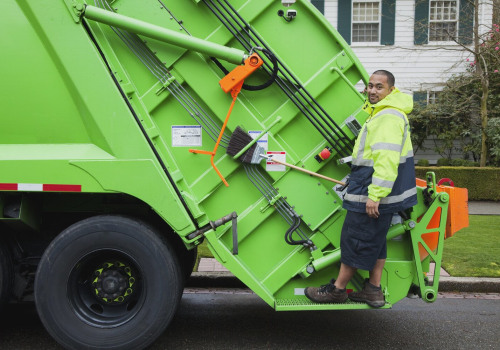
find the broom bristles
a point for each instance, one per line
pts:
(239, 139)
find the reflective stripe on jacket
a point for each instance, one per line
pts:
(382, 161)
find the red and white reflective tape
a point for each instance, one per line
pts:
(40, 187)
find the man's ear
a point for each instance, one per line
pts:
(391, 89)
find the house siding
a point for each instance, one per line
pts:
(416, 67)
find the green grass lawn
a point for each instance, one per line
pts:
(474, 251)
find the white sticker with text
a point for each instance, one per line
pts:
(262, 141)
(186, 135)
(274, 166)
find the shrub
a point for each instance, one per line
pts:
(458, 162)
(443, 162)
(481, 183)
(423, 162)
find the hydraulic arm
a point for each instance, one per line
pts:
(163, 34)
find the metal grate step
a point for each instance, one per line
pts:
(305, 304)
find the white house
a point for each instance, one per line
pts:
(410, 38)
(414, 39)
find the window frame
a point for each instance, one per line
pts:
(456, 21)
(433, 96)
(379, 22)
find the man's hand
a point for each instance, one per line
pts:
(372, 208)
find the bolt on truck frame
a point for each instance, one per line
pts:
(102, 205)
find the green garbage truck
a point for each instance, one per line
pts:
(118, 118)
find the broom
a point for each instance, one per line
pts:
(240, 140)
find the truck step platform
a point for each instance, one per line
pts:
(306, 304)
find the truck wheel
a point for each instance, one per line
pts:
(187, 259)
(107, 282)
(5, 274)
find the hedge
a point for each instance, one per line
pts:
(483, 184)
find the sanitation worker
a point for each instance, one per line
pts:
(382, 183)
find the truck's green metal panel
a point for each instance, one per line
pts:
(61, 107)
(93, 105)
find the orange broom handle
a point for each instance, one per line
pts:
(232, 82)
(234, 93)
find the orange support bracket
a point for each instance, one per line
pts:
(232, 82)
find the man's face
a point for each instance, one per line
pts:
(378, 88)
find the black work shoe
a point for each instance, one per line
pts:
(370, 295)
(327, 293)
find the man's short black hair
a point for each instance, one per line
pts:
(390, 78)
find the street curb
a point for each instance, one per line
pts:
(218, 279)
(446, 284)
(469, 284)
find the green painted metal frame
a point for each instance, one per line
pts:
(412, 228)
(440, 202)
(163, 34)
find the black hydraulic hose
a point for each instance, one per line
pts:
(268, 53)
(272, 78)
(288, 234)
(281, 205)
(294, 226)
(262, 86)
(248, 29)
(335, 143)
(288, 92)
(285, 88)
(309, 99)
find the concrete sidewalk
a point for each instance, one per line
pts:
(484, 208)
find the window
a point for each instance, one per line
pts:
(426, 97)
(443, 20)
(432, 97)
(365, 21)
(369, 21)
(437, 21)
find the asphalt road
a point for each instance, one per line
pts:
(224, 319)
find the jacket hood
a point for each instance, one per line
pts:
(396, 99)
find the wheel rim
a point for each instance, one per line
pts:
(106, 288)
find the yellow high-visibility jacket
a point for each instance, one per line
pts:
(382, 160)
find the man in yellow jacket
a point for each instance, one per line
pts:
(382, 182)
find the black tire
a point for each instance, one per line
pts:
(187, 259)
(107, 282)
(6, 274)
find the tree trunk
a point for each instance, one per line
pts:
(482, 73)
(484, 120)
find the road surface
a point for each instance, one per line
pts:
(238, 319)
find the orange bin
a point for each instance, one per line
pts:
(458, 216)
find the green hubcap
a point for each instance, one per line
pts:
(113, 283)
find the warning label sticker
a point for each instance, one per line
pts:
(274, 166)
(186, 135)
(262, 141)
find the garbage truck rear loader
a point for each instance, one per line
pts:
(113, 139)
